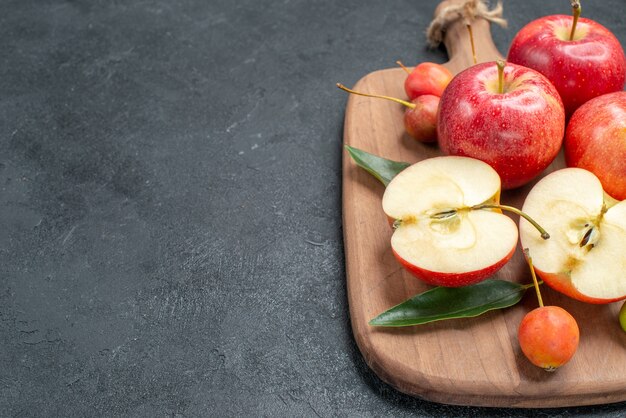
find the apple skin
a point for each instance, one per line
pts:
(421, 121)
(562, 283)
(427, 78)
(595, 140)
(437, 278)
(518, 133)
(590, 65)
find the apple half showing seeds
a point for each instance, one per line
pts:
(585, 257)
(446, 230)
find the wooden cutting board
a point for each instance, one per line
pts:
(473, 361)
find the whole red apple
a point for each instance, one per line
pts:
(427, 78)
(590, 64)
(596, 141)
(511, 119)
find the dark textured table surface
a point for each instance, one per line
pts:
(170, 204)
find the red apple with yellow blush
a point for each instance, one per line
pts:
(509, 116)
(582, 58)
(595, 140)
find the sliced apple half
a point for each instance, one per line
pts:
(585, 258)
(447, 232)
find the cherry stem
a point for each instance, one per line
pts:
(532, 273)
(576, 9)
(544, 233)
(471, 36)
(403, 67)
(500, 65)
(377, 96)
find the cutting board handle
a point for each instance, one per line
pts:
(454, 15)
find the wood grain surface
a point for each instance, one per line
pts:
(473, 361)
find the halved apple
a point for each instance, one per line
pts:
(447, 231)
(585, 258)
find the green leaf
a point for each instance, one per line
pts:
(384, 170)
(442, 303)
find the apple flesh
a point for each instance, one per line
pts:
(427, 78)
(584, 257)
(595, 140)
(438, 237)
(518, 132)
(589, 65)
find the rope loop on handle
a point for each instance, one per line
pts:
(468, 11)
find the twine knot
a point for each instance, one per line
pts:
(468, 11)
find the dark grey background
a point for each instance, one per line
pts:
(170, 204)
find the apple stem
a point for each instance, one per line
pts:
(532, 273)
(544, 233)
(471, 36)
(501, 64)
(576, 9)
(403, 67)
(393, 99)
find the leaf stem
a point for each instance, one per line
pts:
(543, 232)
(576, 9)
(529, 259)
(377, 96)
